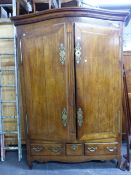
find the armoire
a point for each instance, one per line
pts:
(70, 63)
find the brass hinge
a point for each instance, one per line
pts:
(62, 53)
(64, 117)
(78, 51)
(79, 117)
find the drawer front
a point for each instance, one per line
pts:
(74, 149)
(48, 149)
(101, 149)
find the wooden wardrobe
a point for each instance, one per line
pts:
(70, 62)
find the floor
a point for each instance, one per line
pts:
(12, 166)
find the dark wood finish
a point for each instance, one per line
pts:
(70, 12)
(73, 158)
(97, 72)
(101, 149)
(42, 78)
(92, 86)
(47, 149)
(75, 149)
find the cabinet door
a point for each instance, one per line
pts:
(46, 82)
(98, 80)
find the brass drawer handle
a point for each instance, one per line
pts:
(110, 149)
(74, 147)
(37, 148)
(55, 149)
(92, 149)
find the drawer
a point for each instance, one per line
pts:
(100, 149)
(48, 149)
(74, 149)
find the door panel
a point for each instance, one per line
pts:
(46, 82)
(98, 81)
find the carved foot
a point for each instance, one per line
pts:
(119, 164)
(123, 165)
(30, 165)
(125, 156)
